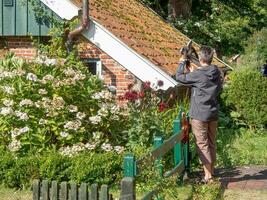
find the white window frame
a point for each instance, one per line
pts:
(98, 66)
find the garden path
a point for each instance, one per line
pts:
(246, 183)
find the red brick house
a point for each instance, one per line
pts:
(125, 42)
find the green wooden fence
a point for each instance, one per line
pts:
(179, 143)
(46, 190)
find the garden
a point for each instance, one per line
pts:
(59, 122)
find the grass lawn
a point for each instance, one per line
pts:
(11, 194)
(245, 194)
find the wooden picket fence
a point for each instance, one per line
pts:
(178, 142)
(46, 190)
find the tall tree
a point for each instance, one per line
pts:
(177, 8)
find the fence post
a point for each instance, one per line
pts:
(128, 182)
(83, 193)
(129, 167)
(178, 146)
(36, 190)
(54, 190)
(45, 190)
(157, 143)
(128, 188)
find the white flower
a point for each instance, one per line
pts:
(58, 102)
(73, 125)
(15, 133)
(50, 61)
(42, 122)
(72, 108)
(31, 77)
(97, 96)
(14, 145)
(79, 76)
(22, 116)
(38, 104)
(95, 119)
(80, 115)
(114, 109)
(106, 147)
(26, 102)
(115, 117)
(45, 102)
(8, 102)
(72, 150)
(90, 146)
(69, 72)
(6, 111)
(103, 112)
(64, 134)
(8, 89)
(119, 149)
(42, 91)
(7, 74)
(48, 77)
(24, 129)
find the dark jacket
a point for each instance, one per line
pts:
(206, 85)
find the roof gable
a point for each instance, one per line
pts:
(142, 30)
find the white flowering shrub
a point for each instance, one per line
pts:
(56, 103)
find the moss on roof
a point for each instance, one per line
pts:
(141, 29)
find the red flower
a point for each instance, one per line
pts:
(162, 107)
(160, 83)
(146, 85)
(131, 95)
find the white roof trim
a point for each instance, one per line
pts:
(63, 8)
(141, 67)
(138, 65)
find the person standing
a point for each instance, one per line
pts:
(206, 83)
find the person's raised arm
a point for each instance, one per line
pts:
(185, 78)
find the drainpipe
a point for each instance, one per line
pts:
(81, 28)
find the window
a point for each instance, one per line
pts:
(94, 66)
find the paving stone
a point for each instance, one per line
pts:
(255, 184)
(236, 185)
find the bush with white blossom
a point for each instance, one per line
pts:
(60, 104)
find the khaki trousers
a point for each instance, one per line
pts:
(205, 134)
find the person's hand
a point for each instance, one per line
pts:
(184, 52)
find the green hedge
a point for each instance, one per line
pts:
(19, 171)
(246, 93)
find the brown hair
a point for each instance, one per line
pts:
(206, 54)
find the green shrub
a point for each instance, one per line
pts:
(17, 171)
(55, 103)
(96, 168)
(54, 166)
(246, 93)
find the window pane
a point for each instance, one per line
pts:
(92, 67)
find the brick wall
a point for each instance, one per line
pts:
(21, 46)
(113, 73)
